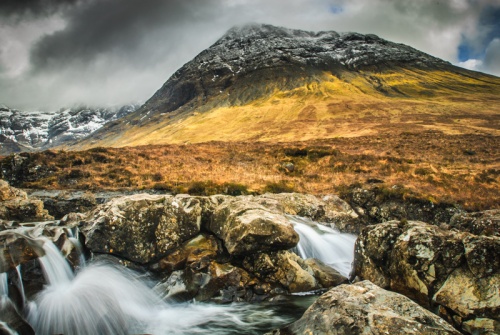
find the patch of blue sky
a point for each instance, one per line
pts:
(336, 9)
(489, 22)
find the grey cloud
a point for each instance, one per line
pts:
(21, 9)
(492, 57)
(121, 28)
(115, 51)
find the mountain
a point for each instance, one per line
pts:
(37, 130)
(266, 83)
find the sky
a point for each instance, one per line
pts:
(59, 53)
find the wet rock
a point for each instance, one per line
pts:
(200, 269)
(364, 308)
(291, 271)
(20, 245)
(326, 276)
(222, 282)
(196, 253)
(143, 228)
(456, 273)
(225, 282)
(246, 227)
(17, 249)
(11, 322)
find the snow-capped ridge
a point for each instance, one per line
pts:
(39, 130)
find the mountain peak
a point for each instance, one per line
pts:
(290, 54)
(264, 45)
(259, 77)
(264, 31)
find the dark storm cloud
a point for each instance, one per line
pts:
(20, 9)
(120, 27)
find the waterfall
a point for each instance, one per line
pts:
(104, 298)
(54, 265)
(20, 284)
(324, 243)
(107, 299)
(4, 286)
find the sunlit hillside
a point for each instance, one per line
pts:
(327, 106)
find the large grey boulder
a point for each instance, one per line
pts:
(364, 308)
(247, 227)
(142, 227)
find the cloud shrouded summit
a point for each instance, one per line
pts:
(55, 53)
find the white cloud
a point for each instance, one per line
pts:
(491, 62)
(472, 64)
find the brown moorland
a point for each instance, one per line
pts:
(455, 169)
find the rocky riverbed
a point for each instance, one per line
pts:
(435, 277)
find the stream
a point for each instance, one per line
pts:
(104, 298)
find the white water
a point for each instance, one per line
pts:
(4, 287)
(55, 267)
(20, 284)
(102, 298)
(324, 243)
(106, 299)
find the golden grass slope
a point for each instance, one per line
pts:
(346, 105)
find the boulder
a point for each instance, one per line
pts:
(201, 269)
(455, 273)
(328, 209)
(15, 205)
(364, 308)
(224, 282)
(380, 204)
(470, 297)
(8, 192)
(24, 211)
(246, 227)
(478, 223)
(142, 228)
(195, 253)
(291, 271)
(65, 203)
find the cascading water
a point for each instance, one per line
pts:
(103, 298)
(324, 243)
(106, 299)
(4, 287)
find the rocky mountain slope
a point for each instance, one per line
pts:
(37, 130)
(284, 84)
